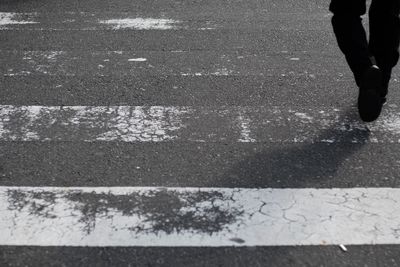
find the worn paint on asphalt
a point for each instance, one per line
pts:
(136, 216)
(194, 124)
(9, 18)
(191, 18)
(142, 23)
(182, 63)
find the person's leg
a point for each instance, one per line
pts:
(352, 40)
(350, 34)
(385, 36)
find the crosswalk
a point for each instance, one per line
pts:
(194, 124)
(134, 216)
(178, 133)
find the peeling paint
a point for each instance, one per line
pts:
(245, 131)
(123, 123)
(150, 216)
(159, 210)
(194, 124)
(142, 23)
(9, 18)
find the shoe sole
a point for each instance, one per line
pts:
(369, 99)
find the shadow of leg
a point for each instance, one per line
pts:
(304, 165)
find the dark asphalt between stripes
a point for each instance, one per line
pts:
(369, 256)
(228, 164)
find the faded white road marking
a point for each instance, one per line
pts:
(191, 19)
(142, 23)
(140, 59)
(184, 63)
(245, 129)
(8, 18)
(194, 124)
(303, 116)
(130, 216)
(121, 123)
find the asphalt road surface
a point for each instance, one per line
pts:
(189, 133)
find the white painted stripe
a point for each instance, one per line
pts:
(142, 23)
(129, 216)
(194, 124)
(9, 18)
(117, 123)
(140, 59)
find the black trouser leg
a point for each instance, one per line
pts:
(350, 34)
(385, 35)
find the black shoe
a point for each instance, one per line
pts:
(369, 98)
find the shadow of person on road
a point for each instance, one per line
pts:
(312, 164)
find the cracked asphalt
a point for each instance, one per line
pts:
(257, 54)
